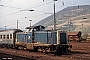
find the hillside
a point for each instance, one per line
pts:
(73, 18)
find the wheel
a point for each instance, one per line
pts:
(59, 50)
(20, 47)
(35, 49)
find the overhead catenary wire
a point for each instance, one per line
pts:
(21, 3)
(37, 6)
(21, 8)
(34, 6)
(23, 19)
(11, 7)
(16, 8)
(11, 13)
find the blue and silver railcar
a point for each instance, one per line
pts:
(7, 37)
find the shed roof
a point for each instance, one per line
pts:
(72, 33)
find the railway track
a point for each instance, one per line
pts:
(4, 56)
(79, 51)
(29, 54)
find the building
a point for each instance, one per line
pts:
(74, 36)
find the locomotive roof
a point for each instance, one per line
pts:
(35, 27)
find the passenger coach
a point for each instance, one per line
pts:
(7, 37)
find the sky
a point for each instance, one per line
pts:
(12, 11)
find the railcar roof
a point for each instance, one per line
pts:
(10, 30)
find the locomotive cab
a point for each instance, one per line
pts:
(35, 28)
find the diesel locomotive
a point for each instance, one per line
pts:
(37, 39)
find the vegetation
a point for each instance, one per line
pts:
(77, 16)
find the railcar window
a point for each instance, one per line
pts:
(0, 36)
(3, 36)
(10, 36)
